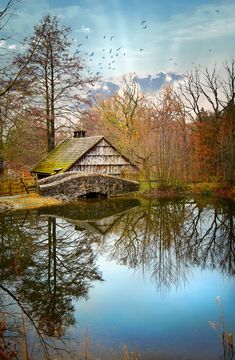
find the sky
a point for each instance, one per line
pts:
(116, 37)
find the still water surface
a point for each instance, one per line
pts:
(116, 279)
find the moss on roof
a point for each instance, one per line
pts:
(65, 154)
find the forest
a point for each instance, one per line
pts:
(184, 133)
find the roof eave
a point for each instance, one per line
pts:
(130, 161)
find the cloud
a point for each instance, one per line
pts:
(203, 23)
(183, 34)
(12, 47)
(84, 29)
(168, 78)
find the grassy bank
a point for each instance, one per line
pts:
(29, 201)
(209, 189)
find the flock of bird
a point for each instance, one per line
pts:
(110, 54)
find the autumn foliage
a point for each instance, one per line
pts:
(182, 134)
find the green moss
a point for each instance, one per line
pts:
(65, 154)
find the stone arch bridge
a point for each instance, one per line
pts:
(73, 185)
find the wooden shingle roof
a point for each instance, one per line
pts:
(65, 154)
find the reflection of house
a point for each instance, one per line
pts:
(101, 226)
(99, 217)
(93, 154)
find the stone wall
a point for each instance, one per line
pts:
(77, 185)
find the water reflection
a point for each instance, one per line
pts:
(98, 217)
(48, 259)
(45, 264)
(169, 238)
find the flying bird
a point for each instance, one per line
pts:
(217, 10)
(87, 37)
(79, 45)
(111, 38)
(142, 22)
(118, 49)
(104, 36)
(141, 50)
(92, 53)
(145, 27)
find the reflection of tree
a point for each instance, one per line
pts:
(169, 237)
(14, 316)
(64, 269)
(46, 265)
(210, 238)
(45, 262)
(17, 242)
(149, 238)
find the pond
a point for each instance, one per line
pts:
(118, 279)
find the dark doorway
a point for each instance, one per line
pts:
(94, 195)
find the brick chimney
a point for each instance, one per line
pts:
(79, 134)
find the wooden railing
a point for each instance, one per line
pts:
(18, 185)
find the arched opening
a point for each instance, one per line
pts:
(94, 195)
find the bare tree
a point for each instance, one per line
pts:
(125, 120)
(5, 14)
(55, 75)
(171, 155)
(213, 90)
(9, 75)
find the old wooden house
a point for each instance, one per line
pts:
(94, 154)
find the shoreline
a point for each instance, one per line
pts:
(210, 190)
(26, 202)
(36, 201)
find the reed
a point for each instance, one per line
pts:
(225, 336)
(130, 355)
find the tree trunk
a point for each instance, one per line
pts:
(1, 146)
(1, 163)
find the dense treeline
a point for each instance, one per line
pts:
(172, 137)
(185, 133)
